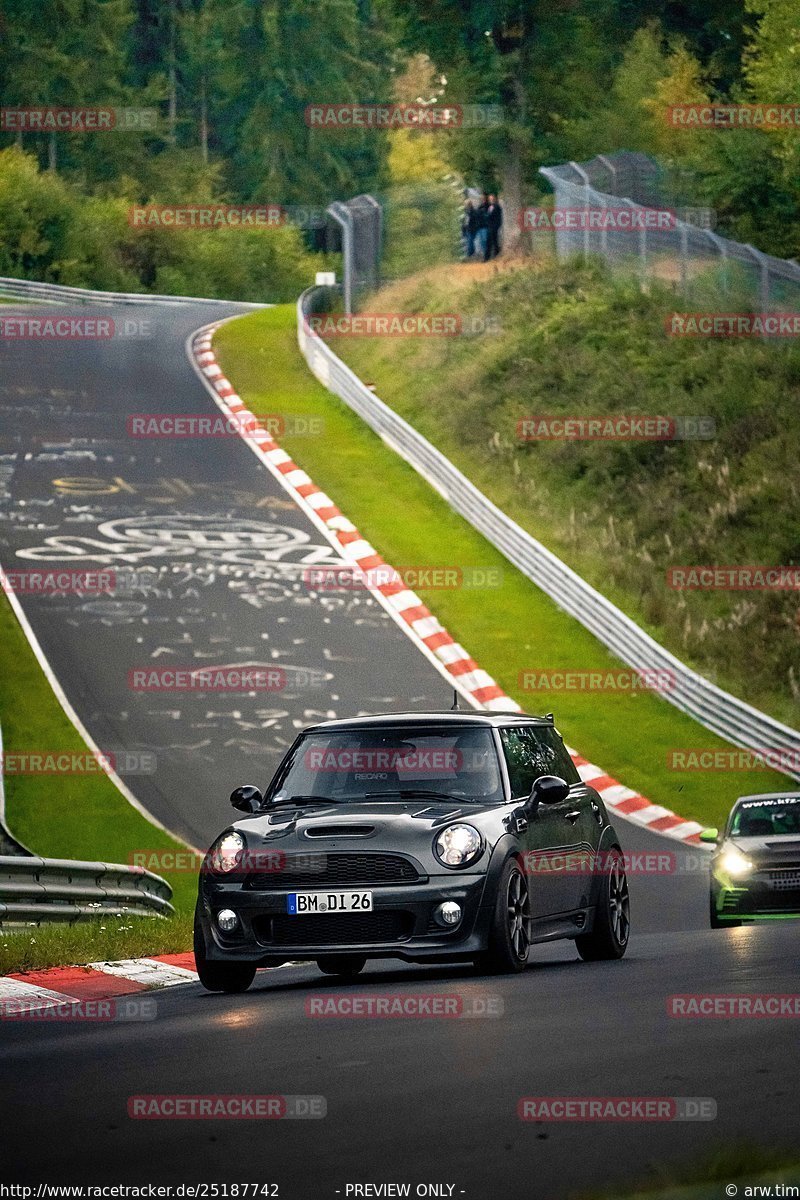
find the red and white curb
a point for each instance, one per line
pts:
(71, 989)
(63, 988)
(404, 605)
(624, 802)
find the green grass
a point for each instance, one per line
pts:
(73, 816)
(509, 629)
(109, 939)
(746, 1165)
(573, 341)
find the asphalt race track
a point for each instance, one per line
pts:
(215, 559)
(409, 1101)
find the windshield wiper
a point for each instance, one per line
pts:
(301, 800)
(410, 793)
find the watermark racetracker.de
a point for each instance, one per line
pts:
(227, 1107)
(615, 427)
(348, 116)
(66, 327)
(398, 1005)
(614, 1109)
(400, 324)
(59, 119)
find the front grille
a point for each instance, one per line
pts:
(345, 869)
(338, 929)
(782, 900)
(784, 881)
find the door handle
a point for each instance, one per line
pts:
(573, 816)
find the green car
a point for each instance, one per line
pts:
(755, 869)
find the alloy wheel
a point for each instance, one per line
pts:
(619, 902)
(518, 915)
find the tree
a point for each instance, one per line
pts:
(538, 61)
(334, 52)
(68, 53)
(772, 71)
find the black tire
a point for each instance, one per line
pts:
(341, 964)
(220, 976)
(714, 920)
(509, 934)
(612, 919)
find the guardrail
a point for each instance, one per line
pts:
(56, 293)
(719, 711)
(35, 890)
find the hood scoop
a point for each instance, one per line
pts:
(339, 831)
(794, 846)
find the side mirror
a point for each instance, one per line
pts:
(547, 789)
(710, 835)
(247, 799)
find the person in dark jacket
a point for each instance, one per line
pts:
(483, 229)
(494, 223)
(469, 228)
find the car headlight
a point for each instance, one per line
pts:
(733, 862)
(226, 853)
(457, 845)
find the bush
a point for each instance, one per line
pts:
(49, 231)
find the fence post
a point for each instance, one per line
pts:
(612, 170)
(684, 255)
(642, 241)
(586, 185)
(379, 250)
(720, 244)
(763, 275)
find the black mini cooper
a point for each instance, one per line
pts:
(443, 837)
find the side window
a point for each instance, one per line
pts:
(563, 764)
(528, 756)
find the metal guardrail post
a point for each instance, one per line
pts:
(343, 218)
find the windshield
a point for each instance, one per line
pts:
(456, 763)
(767, 818)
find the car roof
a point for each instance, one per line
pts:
(445, 717)
(769, 796)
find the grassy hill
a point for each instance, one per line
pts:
(570, 341)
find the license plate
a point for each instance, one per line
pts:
(299, 904)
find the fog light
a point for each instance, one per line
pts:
(448, 913)
(227, 920)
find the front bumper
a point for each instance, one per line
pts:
(769, 893)
(401, 923)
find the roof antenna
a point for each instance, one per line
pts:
(454, 706)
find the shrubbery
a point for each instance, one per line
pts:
(50, 231)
